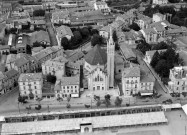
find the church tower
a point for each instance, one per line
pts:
(110, 59)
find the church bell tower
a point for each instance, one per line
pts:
(110, 59)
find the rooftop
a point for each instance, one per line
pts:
(30, 77)
(74, 124)
(70, 81)
(96, 56)
(40, 36)
(64, 30)
(131, 72)
(11, 73)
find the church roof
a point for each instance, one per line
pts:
(96, 56)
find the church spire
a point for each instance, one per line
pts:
(111, 35)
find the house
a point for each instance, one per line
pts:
(63, 31)
(10, 59)
(68, 87)
(30, 85)
(41, 37)
(135, 81)
(160, 2)
(177, 32)
(2, 31)
(11, 80)
(158, 17)
(73, 68)
(127, 52)
(127, 19)
(38, 23)
(178, 79)
(102, 6)
(55, 67)
(61, 17)
(150, 35)
(48, 53)
(149, 55)
(4, 49)
(129, 37)
(21, 43)
(5, 7)
(143, 21)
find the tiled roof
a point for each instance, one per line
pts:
(60, 59)
(131, 72)
(37, 49)
(74, 65)
(64, 30)
(2, 47)
(2, 67)
(20, 61)
(146, 77)
(73, 80)
(10, 58)
(96, 56)
(2, 26)
(2, 76)
(127, 51)
(11, 73)
(31, 77)
(76, 56)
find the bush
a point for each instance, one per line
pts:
(51, 78)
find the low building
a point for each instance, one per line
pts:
(136, 81)
(150, 35)
(149, 55)
(4, 49)
(61, 17)
(68, 87)
(41, 37)
(30, 85)
(158, 17)
(160, 2)
(2, 31)
(102, 6)
(143, 21)
(55, 67)
(22, 43)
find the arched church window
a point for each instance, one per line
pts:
(98, 77)
(101, 79)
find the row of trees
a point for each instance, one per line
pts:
(80, 34)
(164, 61)
(39, 12)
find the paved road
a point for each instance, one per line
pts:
(52, 34)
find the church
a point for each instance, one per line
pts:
(99, 67)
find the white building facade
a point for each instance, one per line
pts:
(30, 85)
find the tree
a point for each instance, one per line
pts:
(143, 47)
(118, 101)
(51, 78)
(98, 103)
(65, 43)
(160, 46)
(39, 12)
(77, 36)
(155, 59)
(21, 99)
(94, 31)
(134, 26)
(39, 107)
(107, 100)
(161, 68)
(96, 39)
(85, 32)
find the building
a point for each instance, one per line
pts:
(4, 49)
(158, 17)
(41, 37)
(143, 21)
(135, 81)
(2, 31)
(102, 6)
(10, 80)
(61, 17)
(99, 67)
(22, 43)
(178, 79)
(55, 67)
(5, 7)
(150, 35)
(149, 55)
(30, 85)
(63, 31)
(127, 18)
(68, 87)
(160, 2)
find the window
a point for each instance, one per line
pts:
(67, 87)
(34, 82)
(25, 92)
(75, 91)
(98, 87)
(64, 87)
(24, 87)
(75, 86)
(178, 83)
(67, 91)
(71, 87)
(101, 79)
(71, 90)
(102, 88)
(35, 92)
(35, 87)
(64, 91)
(93, 88)
(23, 83)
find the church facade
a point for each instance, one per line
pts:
(99, 67)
